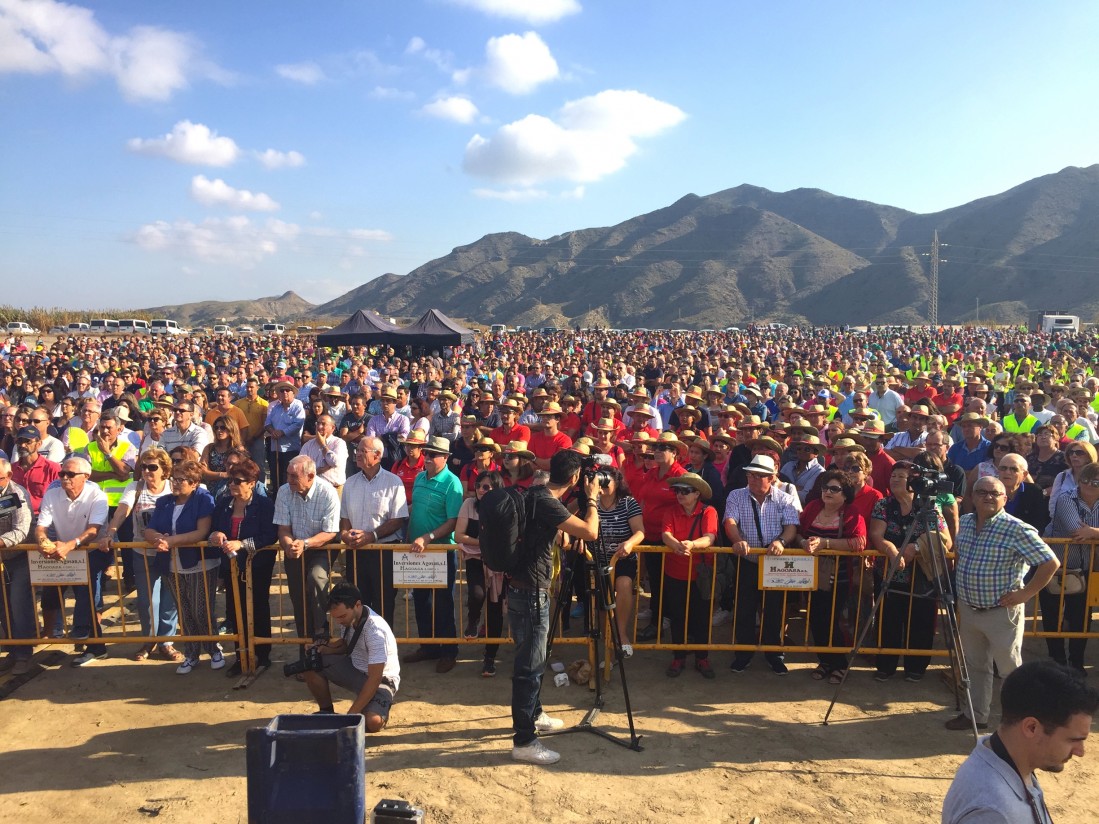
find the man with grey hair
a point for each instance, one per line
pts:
(373, 510)
(17, 613)
(307, 513)
(70, 517)
(185, 431)
(328, 452)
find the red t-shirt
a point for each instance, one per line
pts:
(503, 437)
(407, 473)
(883, 468)
(545, 447)
(914, 394)
(949, 400)
(571, 423)
(655, 495)
(681, 525)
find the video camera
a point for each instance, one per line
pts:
(928, 483)
(313, 662)
(9, 502)
(595, 467)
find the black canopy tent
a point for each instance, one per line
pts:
(363, 328)
(434, 330)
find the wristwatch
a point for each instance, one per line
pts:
(431, 536)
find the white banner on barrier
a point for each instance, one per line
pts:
(419, 569)
(70, 571)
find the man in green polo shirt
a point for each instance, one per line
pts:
(432, 513)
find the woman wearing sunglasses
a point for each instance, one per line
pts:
(226, 439)
(486, 586)
(156, 603)
(830, 523)
(242, 520)
(1079, 454)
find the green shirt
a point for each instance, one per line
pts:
(434, 500)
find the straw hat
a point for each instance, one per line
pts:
(604, 425)
(690, 479)
(416, 437)
(519, 448)
(671, 438)
(761, 465)
(486, 443)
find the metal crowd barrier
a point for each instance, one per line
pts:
(847, 611)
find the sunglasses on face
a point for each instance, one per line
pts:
(484, 487)
(836, 490)
(67, 475)
(237, 481)
(150, 467)
(683, 490)
(986, 493)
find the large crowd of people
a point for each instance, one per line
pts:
(799, 438)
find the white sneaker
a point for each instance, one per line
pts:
(543, 723)
(627, 651)
(721, 616)
(187, 665)
(535, 753)
(217, 660)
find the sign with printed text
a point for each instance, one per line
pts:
(798, 572)
(419, 569)
(70, 571)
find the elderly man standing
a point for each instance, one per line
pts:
(185, 431)
(436, 498)
(285, 418)
(994, 551)
(307, 513)
(76, 438)
(328, 452)
(70, 517)
(15, 591)
(373, 510)
(759, 516)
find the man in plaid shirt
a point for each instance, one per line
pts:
(994, 551)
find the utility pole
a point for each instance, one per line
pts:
(933, 292)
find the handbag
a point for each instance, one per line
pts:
(1072, 582)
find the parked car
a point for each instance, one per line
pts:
(18, 327)
(103, 326)
(273, 329)
(165, 326)
(133, 326)
(223, 329)
(77, 328)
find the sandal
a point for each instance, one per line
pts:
(820, 673)
(835, 677)
(170, 653)
(143, 653)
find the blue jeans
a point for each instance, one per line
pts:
(154, 598)
(19, 604)
(85, 618)
(438, 604)
(528, 618)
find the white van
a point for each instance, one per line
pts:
(18, 327)
(103, 326)
(133, 326)
(497, 329)
(273, 329)
(163, 326)
(223, 329)
(77, 328)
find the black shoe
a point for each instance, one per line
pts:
(488, 668)
(778, 667)
(913, 677)
(647, 634)
(235, 671)
(740, 664)
(883, 676)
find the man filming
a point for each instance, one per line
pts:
(1047, 712)
(528, 600)
(363, 659)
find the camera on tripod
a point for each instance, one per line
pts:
(595, 467)
(313, 662)
(928, 483)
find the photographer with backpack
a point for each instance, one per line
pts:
(517, 532)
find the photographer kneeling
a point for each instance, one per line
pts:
(363, 660)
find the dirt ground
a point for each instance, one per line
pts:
(124, 741)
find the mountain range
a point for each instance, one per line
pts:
(751, 255)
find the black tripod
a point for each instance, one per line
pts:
(600, 607)
(943, 589)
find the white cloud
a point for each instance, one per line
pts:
(534, 12)
(307, 73)
(518, 64)
(147, 63)
(233, 240)
(388, 93)
(590, 139)
(369, 234)
(511, 195)
(191, 143)
(457, 109)
(442, 60)
(273, 159)
(219, 193)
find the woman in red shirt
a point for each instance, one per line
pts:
(412, 464)
(518, 465)
(484, 460)
(689, 525)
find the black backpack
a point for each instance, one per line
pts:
(392, 450)
(503, 516)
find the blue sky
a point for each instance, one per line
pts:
(155, 153)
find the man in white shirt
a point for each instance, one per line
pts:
(884, 401)
(328, 452)
(373, 510)
(363, 660)
(70, 517)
